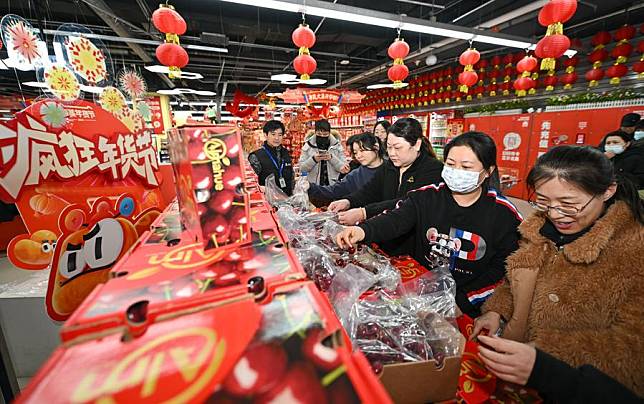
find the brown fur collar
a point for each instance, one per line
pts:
(587, 248)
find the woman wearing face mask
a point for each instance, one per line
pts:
(366, 149)
(627, 157)
(465, 207)
(574, 288)
(412, 164)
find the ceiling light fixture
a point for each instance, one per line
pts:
(345, 62)
(178, 91)
(381, 19)
(291, 79)
(166, 70)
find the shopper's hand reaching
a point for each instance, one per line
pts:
(351, 217)
(349, 237)
(339, 206)
(490, 321)
(345, 169)
(509, 360)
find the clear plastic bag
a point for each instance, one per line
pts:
(412, 323)
(317, 264)
(274, 195)
(348, 284)
(277, 198)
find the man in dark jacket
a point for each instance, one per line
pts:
(272, 158)
(629, 123)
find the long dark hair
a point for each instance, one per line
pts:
(384, 123)
(618, 133)
(590, 170)
(411, 130)
(483, 146)
(368, 141)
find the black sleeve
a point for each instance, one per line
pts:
(392, 224)
(559, 382)
(254, 163)
(371, 192)
(506, 244)
(376, 208)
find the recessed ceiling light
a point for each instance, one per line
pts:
(177, 91)
(166, 70)
(345, 62)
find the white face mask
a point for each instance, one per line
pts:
(638, 135)
(614, 148)
(461, 181)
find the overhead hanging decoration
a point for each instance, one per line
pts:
(304, 38)
(552, 46)
(21, 40)
(112, 100)
(638, 67)
(236, 109)
(132, 83)
(620, 53)
(170, 53)
(570, 77)
(468, 77)
(398, 51)
(524, 83)
(62, 83)
(86, 59)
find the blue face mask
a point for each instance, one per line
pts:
(638, 135)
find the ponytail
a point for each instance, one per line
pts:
(427, 146)
(627, 193)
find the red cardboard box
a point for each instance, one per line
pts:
(231, 352)
(170, 278)
(208, 167)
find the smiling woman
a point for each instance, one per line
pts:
(573, 289)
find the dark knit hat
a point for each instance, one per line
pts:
(630, 120)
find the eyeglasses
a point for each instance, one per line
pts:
(562, 210)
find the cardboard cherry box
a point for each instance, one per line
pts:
(208, 168)
(284, 350)
(169, 278)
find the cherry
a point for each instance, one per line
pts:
(377, 367)
(256, 285)
(222, 202)
(351, 250)
(261, 368)
(325, 358)
(340, 262)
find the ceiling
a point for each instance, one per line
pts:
(259, 39)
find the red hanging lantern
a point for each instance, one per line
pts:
(523, 84)
(524, 67)
(398, 50)
(568, 80)
(527, 64)
(638, 68)
(615, 72)
(170, 53)
(553, 15)
(550, 82)
(303, 37)
(305, 65)
(600, 39)
(168, 21)
(468, 77)
(625, 33)
(593, 76)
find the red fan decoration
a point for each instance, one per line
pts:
(170, 53)
(304, 64)
(555, 43)
(239, 98)
(398, 51)
(469, 77)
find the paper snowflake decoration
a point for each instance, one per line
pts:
(132, 120)
(62, 83)
(112, 100)
(53, 114)
(132, 83)
(23, 41)
(86, 59)
(144, 110)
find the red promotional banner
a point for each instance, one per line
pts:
(511, 135)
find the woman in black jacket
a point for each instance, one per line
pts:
(411, 165)
(626, 155)
(555, 380)
(465, 212)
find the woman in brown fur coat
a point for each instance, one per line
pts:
(575, 287)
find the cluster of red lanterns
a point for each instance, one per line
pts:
(525, 82)
(468, 77)
(620, 53)
(552, 46)
(570, 77)
(398, 72)
(304, 38)
(170, 53)
(638, 67)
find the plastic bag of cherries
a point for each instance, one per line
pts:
(277, 198)
(349, 283)
(394, 326)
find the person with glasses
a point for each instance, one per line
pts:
(465, 210)
(412, 164)
(574, 287)
(273, 159)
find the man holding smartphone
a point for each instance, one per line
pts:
(322, 156)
